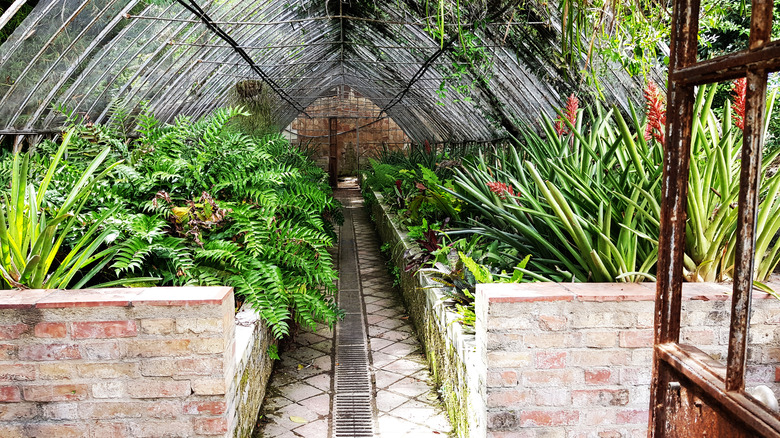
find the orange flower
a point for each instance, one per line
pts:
(738, 107)
(572, 105)
(656, 113)
(500, 189)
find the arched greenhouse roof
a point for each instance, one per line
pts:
(104, 59)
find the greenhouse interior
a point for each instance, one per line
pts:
(348, 218)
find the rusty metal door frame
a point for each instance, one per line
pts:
(717, 392)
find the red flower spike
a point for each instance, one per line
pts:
(656, 113)
(738, 107)
(570, 112)
(501, 189)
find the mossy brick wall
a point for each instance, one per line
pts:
(571, 360)
(575, 360)
(451, 352)
(119, 363)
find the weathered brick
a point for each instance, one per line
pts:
(505, 341)
(17, 372)
(10, 431)
(507, 397)
(598, 358)
(8, 352)
(108, 430)
(552, 397)
(60, 411)
(598, 417)
(636, 338)
(600, 377)
(549, 418)
(633, 416)
(198, 366)
(546, 360)
(777, 374)
(602, 319)
(546, 340)
(564, 377)
(108, 350)
(208, 386)
(51, 393)
(199, 325)
(163, 326)
(10, 394)
(600, 397)
(154, 348)
(108, 389)
(208, 345)
(18, 411)
(601, 339)
(57, 371)
(12, 331)
(552, 322)
(502, 378)
(503, 420)
(507, 359)
(104, 329)
(157, 389)
(111, 410)
(635, 375)
(42, 352)
(57, 430)
(158, 367)
(210, 426)
(156, 429)
(205, 407)
(108, 370)
(50, 330)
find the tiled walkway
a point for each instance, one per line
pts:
(299, 401)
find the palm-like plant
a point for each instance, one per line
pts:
(31, 237)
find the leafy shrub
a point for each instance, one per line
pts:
(198, 203)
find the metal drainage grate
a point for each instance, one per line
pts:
(353, 413)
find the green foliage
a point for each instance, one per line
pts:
(32, 234)
(585, 203)
(580, 203)
(190, 203)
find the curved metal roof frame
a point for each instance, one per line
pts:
(99, 58)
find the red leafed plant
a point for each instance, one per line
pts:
(500, 189)
(738, 107)
(656, 113)
(570, 111)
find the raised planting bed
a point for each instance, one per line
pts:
(144, 362)
(569, 359)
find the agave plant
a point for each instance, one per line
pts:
(583, 199)
(713, 192)
(31, 237)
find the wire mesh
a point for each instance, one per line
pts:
(103, 58)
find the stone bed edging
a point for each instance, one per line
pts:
(565, 359)
(138, 362)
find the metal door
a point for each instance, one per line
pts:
(692, 395)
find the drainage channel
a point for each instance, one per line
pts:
(353, 413)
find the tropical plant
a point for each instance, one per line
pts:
(212, 206)
(713, 191)
(31, 236)
(581, 198)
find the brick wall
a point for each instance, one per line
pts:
(575, 360)
(120, 363)
(354, 113)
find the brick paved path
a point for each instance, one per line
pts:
(299, 401)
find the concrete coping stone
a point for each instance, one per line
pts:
(600, 292)
(114, 297)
